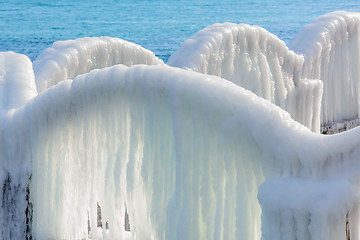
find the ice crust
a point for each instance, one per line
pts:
(187, 155)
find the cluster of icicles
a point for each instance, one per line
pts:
(222, 142)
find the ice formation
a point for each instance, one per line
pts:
(331, 49)
(257, 60)
(115, 151)
(67, 59)
(327, 50)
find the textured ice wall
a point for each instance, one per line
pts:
(257, 60)
(327, 49)
(186, 153)
(17, 87)
(316, 198)
(67, 59)
(331, 47)
(160, 140)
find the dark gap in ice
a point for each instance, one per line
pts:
(127, 222)
(347, 228)
(28, 212)
(99, 222)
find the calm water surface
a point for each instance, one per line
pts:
(30, 26)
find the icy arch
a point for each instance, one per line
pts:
(67, 59)
(257, 60)
(327, 49)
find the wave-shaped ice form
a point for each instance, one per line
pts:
(257, 60)
(327, 49)
(331, 49)
(186, 155)
(67, 59)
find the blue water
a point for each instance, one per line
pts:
(30, 26)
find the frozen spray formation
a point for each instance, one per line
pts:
(160, 152)
(327, 49)
(331, 49)
(67, 59)
(257, 60)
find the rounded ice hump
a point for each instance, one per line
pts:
(17, 82)
(67, 59)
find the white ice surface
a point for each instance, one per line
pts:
(190, 155)
(327, 49)
(331, 49)
(67, 59)
(257, 60)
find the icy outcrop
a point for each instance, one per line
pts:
(331, 49)
(67, 59)
(257, 60)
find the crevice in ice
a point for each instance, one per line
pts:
(28, 213)
(13, 220)
(107, 225)
(88, 223)
(347, 228)
(126, 220)
(337, 127)
(98, 215)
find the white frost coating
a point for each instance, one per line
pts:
(186, 153)
(67, 59)
(17, 84)
(302, 208)
(17, 87)
(257, 60)
(156, 138)
(331, 46)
